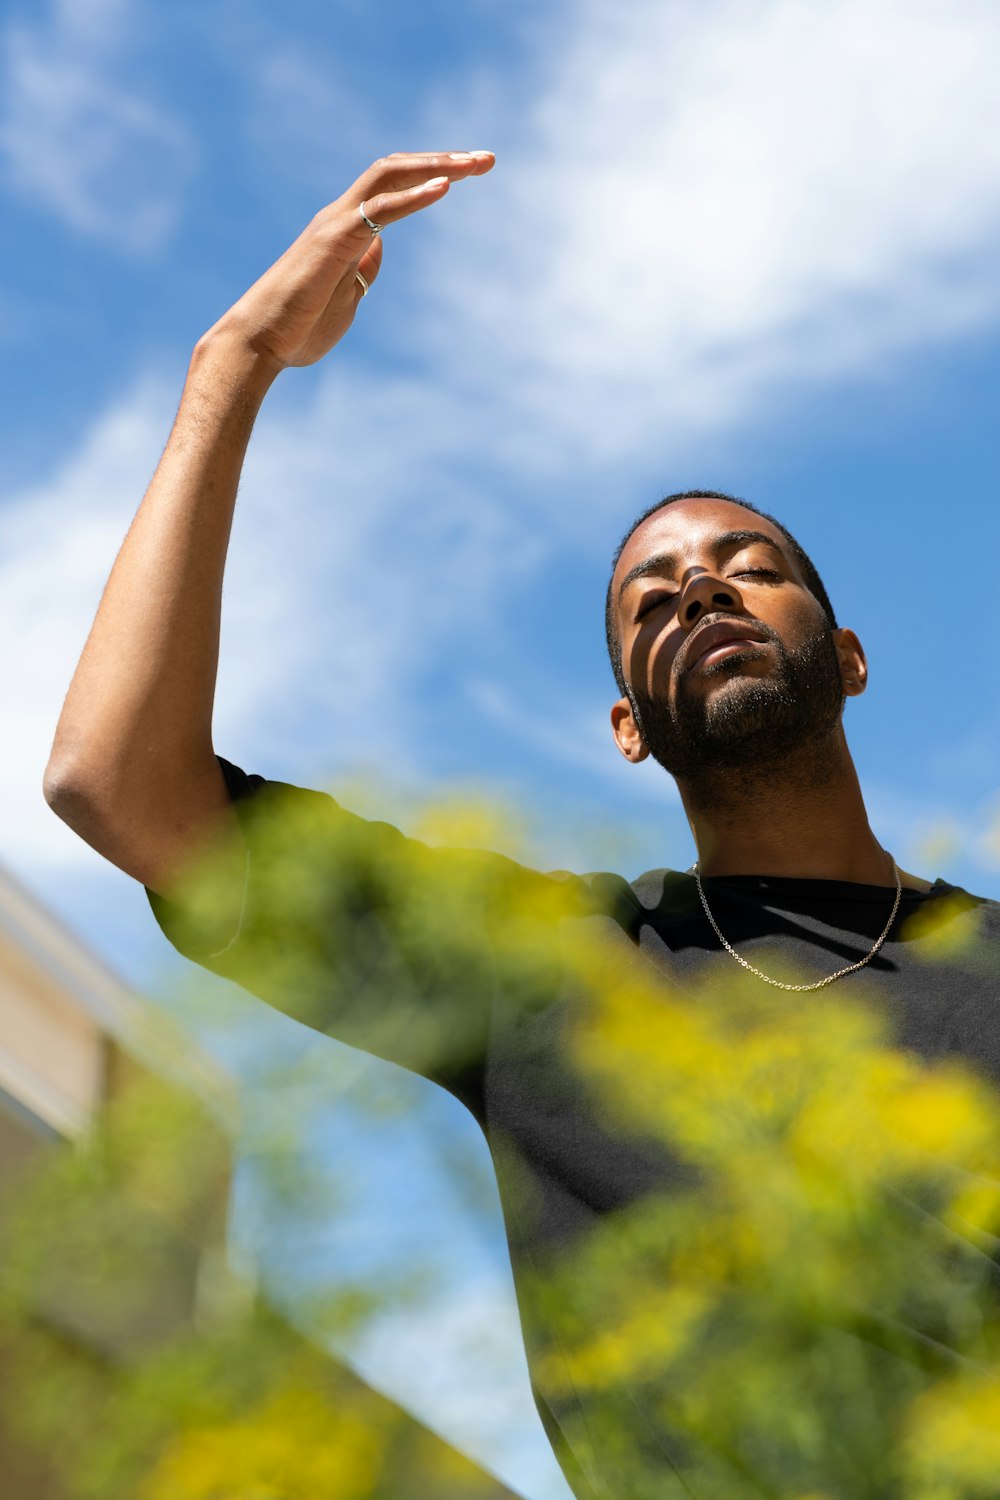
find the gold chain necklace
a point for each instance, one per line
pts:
(849, 969)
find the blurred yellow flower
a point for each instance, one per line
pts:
(945, 927)
(951, 1446)
(296, 1446)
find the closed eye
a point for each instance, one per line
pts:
(650, 602)
(757, 573)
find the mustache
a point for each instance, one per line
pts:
(691, 646)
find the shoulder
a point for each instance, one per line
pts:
(958, 896)
(632, 904)
(950, 923)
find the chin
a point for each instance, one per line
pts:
(747, 725)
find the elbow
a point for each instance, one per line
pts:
(71, 788)
(76, 799)
(63, 788)
(55, 784)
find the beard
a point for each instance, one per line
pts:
(752, 722)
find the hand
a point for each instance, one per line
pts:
(305, 303)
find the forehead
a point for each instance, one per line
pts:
(689, 528)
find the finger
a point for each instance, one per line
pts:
(407, 169)
(388, 208)
(396, 203)
(410, 181)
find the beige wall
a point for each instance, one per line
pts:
(63, 1013)
(51, 1050)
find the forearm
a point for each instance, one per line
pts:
(137, 719)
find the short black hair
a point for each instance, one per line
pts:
(812, 579)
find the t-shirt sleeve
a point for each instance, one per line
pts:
(355, 929)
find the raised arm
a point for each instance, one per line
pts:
(132, 769)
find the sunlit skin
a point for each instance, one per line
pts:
(803, 816)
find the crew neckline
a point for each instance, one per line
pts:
(819, 889)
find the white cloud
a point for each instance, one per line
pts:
(358, 549)
(570, 733)
(711, 203)
(86, 147)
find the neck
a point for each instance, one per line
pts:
(802, 816)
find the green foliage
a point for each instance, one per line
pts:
(808, 1313)
(819, 1312)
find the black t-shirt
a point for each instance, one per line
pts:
(406, 952)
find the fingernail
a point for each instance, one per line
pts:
(481, 153)
(461, 155)
(435, 182)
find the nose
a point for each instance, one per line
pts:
(702, 594)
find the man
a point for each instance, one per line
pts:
(732, 672)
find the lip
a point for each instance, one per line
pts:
(709, 638)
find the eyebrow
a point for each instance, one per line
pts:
(664, 563)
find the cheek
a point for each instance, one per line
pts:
(800, 619)
(652, 657)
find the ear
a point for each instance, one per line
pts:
(853, 663)
(626, 731)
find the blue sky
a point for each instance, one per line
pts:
(750, 246)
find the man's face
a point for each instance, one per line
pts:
(729, 659)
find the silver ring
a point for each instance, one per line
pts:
(364, 284)
(375, 228)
